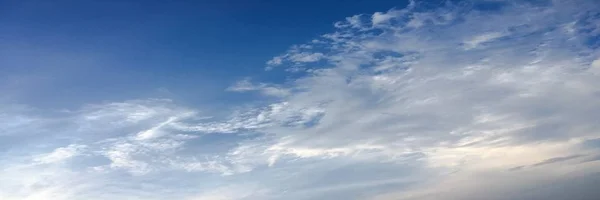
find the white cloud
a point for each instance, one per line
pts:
(120, 156)
(478, 111)
(476, 41)
(231, 193)
(278, 60)
(297, 55)
(39, 182)
(266, 89)
(380, 17)
(306, 57)
(354, 22)
(60, 154)
(595, 66)
(155, 131)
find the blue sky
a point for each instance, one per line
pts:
(173, 46)
(239, 100)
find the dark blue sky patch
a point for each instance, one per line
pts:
(592, 143)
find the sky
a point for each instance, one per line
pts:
(300, 100)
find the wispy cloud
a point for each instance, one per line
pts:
(481, 39)
(60, 154)
(265, 89)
